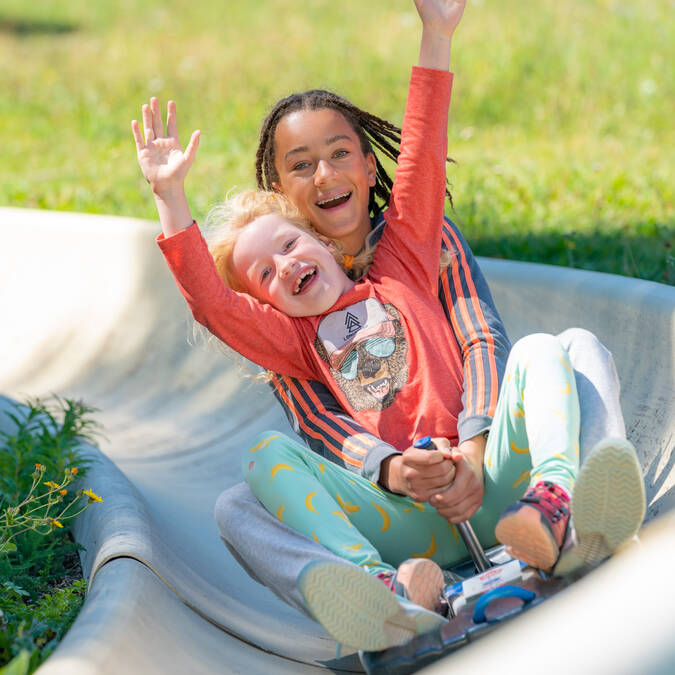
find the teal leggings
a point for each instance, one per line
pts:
(534, 436)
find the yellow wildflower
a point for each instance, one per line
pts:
(73, 470)
(51, 484)
(39, 467)
(63, 493)
(93, 497)
(55, 523)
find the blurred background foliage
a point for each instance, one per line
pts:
(561, 119)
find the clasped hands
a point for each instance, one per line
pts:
(450, 479)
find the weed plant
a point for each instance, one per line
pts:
(31, 631)
(41, 589)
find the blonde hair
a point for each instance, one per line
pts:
(225, 222)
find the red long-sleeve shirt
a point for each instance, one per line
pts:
(391, 321)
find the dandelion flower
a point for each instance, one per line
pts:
(55, 523)
(63, 493)
(93, 497)
(51, 484)
(73, 470)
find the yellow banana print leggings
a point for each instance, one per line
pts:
(534, 436)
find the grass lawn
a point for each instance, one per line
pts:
(561, 120)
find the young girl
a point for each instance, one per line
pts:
(355, 332)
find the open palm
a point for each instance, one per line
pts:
(162, 160)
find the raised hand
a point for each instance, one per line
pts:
(163, 162)
(440, 15)
(439, 20)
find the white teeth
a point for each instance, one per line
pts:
(301, 279)
(333, 199)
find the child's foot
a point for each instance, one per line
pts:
(420, 580)
(608, 503)
(533, 529)
(358, 610)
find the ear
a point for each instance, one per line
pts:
(277, 187)
(371, 169)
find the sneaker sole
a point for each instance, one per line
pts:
(357, 609)
(528, 539)
(608, 503)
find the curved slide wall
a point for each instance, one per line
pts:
(89, 310)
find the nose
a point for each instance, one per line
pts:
(285, 265)
(370, 366)
(324, 171)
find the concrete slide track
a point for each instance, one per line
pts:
(90, 311)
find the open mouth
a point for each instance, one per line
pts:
(305, 278)
(332, 202)
(379, 389)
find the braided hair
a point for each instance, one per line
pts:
(371, 130)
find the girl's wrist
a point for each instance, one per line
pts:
(174, 213)
(390, 474)
(435, 49)
(437, 33)
(167, 194)
(473, 450)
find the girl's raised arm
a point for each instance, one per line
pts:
(439, 20)
(165, 165)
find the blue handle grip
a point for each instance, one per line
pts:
(500, 592)
(424, 443)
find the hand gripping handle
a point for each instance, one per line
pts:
(469, 537)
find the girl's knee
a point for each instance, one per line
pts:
(583, 344)
(536, 345)
(580, 336)
(230, 509)
(267, 451)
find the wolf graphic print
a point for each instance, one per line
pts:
(366, 349)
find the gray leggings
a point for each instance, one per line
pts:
(274, 554)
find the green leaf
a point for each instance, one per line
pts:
(19, 665)
(9, 586)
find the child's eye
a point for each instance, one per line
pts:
(289, 244)
(339, 154)
(265, 273)
(300, 166)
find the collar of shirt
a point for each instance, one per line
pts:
(377, 222)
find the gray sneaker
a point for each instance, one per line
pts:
(608, 504)
(359, 610)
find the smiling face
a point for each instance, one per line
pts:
(323, 170)
(286, 267)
